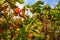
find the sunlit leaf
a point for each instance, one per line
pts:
(21, 1)
(2, 1)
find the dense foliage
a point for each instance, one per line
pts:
(15, 24)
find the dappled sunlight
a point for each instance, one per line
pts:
(29, 20)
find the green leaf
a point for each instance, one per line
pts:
(12, 3)
(35, 34)
(21, 1)
(42, 36)
(29, 24)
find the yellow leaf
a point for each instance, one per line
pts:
(2, 1)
